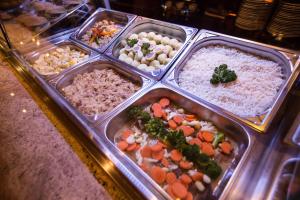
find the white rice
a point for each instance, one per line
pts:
(258, 80)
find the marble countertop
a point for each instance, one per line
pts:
(39, 157)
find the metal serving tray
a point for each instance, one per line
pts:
(50, 46)
(121, 18)
(286, 58)
(99, 62)
(106, 132)
(181, 33)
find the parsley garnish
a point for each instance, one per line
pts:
(223, 75)
(132, 42)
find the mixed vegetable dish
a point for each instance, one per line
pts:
(180, 152)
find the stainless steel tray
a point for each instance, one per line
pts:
(121, 18)
(51, 45)
(287, 59)
(99, 62)
(107, 130)
(182, 33)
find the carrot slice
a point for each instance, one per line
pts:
(122, 145)
(157, 110)
(158, 155)
(179, 190)
(195, 141)
(146, 152)
(165, 162)
(137, 147)
(178, 119)
(169, 191)
(172, 124)
(158, 174)
(185, 164)
(157, 147)
(187, 130)
(207, 149)
(197, 176)
(185, 179)
(199, 135)
(126, 134)
(208, 136)
(171, 177)
(144, 167)
(176, 155)
(190, 118)
(164, 102)
(164, 115)
(156, 106)
(189, 196)
(131, 147)
(226, 147)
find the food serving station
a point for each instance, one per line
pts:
(129, 83)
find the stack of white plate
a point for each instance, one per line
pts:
(254, 14)
(286, 20)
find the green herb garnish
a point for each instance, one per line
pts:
(156, 128)
(145, 48)
(223, 75)
(131, 42)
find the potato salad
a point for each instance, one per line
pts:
(58, 60)
(148, 51)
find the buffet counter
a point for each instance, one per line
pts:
(167, 111)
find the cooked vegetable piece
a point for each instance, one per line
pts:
(146, 152)
(131, 42)
(171, 177)
(208, 136)
(131, 147)
(207, 149)
(176, 155)
(185, 164)
(187, 130)
(123, 145)
(126, 134)
(172, 124)
(158, 155)
(218, 138)
(164, 102)
(226, 147)
(178, 119)
(179, 190)
(158, 174)
(223, 75)
(186, 179)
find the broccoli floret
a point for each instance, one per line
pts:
(155, 127)
(218, 138)
(137, 112)
(176, 138)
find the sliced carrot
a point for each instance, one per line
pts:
(208, 136)
(157, 110)
(190, 118)
(178, 119)
(176, 155)
(197, 176)
(158, 174)
(172, 124)
(169, 191)
(164, 115)
(156, 106)
(146, 152)
(185, 164)
(144, 167)
(207, 149)
(122, 145)
(164, 102)
(195, 141)
(165, 162)
(171, 177)
(226, 147)
(179, 190)
(189, 196)
(199, 135)
(157, 147)
(131, 147)
(126, 134)
(138, 146)
(187, 130)
(185, 179)
(158, 155)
